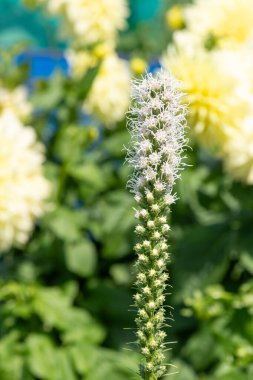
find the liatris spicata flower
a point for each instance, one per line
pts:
(157, 120)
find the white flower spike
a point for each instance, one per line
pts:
(157, 129)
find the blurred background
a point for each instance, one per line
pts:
(66, 218)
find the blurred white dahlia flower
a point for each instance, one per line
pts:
(218, 97)
(15, 101)
(79, 62)
(237, 153)
(23, 187)
(109, 96)
(92, 21)
(230, 22)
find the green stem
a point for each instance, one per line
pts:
(150, 376)
(62, 181)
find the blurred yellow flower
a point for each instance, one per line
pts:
(23, 187)
(228, 21)
(100, 51)
(217, 97)
(93, 133)
(15, 101)
(174, 17)
(138, 65)
(237, 153)
(108, 98)
(92, 21)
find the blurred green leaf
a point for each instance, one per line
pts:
(49, 93)
(201, 256)
(47, 362)
(91, 174)
(84, 356)
(73, 138)
(65, 223)
(202, 350)
(10, 369)
(180, 371)
(87, 81)
(81, 258)
(114, 366)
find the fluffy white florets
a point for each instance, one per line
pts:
(157, 119)
(23, 187)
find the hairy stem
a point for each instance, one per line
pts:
(149, 376)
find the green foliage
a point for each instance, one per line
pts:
(227, 331)
(64, 298)
(63, 307)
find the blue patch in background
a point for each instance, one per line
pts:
(43, 63)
